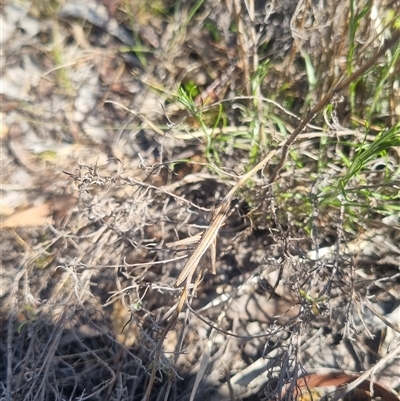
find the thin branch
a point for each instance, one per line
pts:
(325, 101)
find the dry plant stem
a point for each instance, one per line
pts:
(158, 349)
(325, 101)
(394, 327)
(164, 189)
(222, 210)
(204, 363)
(230, 334)
(354, 384)
(10, 330)
(242, 40)
(217, 221)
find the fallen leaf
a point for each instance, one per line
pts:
(32, 217)
(40, 215)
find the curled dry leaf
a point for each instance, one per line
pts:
(339, 379)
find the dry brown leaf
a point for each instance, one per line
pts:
(32, 217)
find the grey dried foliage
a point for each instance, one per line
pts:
(93, 304)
